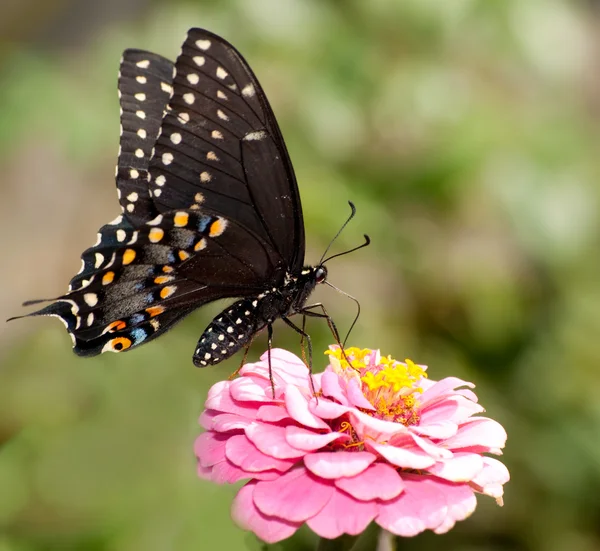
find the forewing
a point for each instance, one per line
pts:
(220, 147)
(145, 81)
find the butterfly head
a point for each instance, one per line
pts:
(320, 273)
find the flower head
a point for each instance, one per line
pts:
(377, 441)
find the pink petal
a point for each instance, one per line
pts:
(295, 496)
(210, 448)
(441, 388)
(251, 389)
(491, 478)
(270, 439)
(248, 517)
(461, 503)
(272, 413)
(463, 467)
(356, 396)
(297, 406)
(223, 402)
(229, 421)
(225, 472)
(421, 506)
(439, 430)
(378, 481)
(204, 472)
(342, 515)
(286, 368)
(338, 463)
(325, 409)
(206, 418)
(481, 432)
(308, 440)
(367, 425)
(413, 458)
(242, 453)
(430, 448)
(330, 383)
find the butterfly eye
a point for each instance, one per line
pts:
(321, 274)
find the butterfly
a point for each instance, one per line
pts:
(210, 210)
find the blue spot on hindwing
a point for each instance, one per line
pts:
(137, 318)
(203, 223)
(138, 335)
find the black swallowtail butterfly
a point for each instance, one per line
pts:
(211, 210)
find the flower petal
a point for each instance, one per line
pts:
(421, 506)
(463, 467)
(356, 396)
(248, 517)
(229, 421)
(461, 503)
(308, 440)
(491, 478)
(251, 389)
(210, 448)
(441, 388)
(330, 384)
(439, 430)
(408, 458)
(366, 424)
(242, 453)
(342, 515)
(325, 409)
(481, 432)
(338, 463)
(270, 439)
(297, 406)
(377, 481)
(295, 496)
(223, 402)
(272, 413)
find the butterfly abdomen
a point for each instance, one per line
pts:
(230, 331)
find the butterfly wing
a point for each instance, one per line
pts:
(136, 283)
(220, 146)
(145, 87)
(220, 218)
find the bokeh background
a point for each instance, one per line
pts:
(467, 134)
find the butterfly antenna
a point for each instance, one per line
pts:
(352, 213)
(365, 244)
(357, 309)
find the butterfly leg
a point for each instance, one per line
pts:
(302, 339)
(269, 347)
(235, 373)
(308, 311)
(304, 335)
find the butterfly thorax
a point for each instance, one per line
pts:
(235, 327)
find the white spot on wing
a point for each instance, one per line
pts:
(144, 64)
(188, 98)
(199, 60)
(176, 138)
(248, 90)
(260, 135)
(193, 78)
(203, 44)
(167, 158)
(221, 73)
(160, 180)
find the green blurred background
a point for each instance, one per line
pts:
(466, 132)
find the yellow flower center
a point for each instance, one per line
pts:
(389, 385)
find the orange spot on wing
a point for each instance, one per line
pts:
(181, 219)
(155, 310)
(217, 227)
(168, 269)
(108, 277)
(120, 343)
(183, 255)
(162, 279)
(167, 291)
(128, 256)
(116, 326)
(200, 245)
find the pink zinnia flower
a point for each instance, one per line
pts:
(378, 442)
